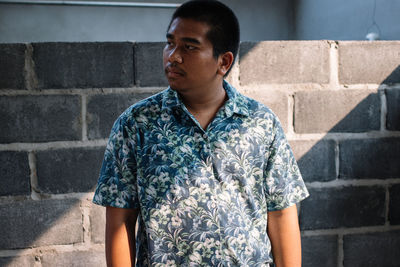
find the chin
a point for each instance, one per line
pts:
(176, 87)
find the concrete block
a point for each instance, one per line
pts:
(83, 65)
(284, 62)
(369, 62)
(394, 204)
(12, 64)
(98, 223)
(40, 223)
(14, 173)
(40, 118)
(103, 110)
(149, 68)
(69, 170)
(336, 111)
(18, 261)
(75, 259)
(372, 249)
(369, 158)
(277, 101)
(232, 77)
(319, 251)
(328, 208)
(316, 159)
(393, 109)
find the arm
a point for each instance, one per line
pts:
(284, 233)
(120, 236)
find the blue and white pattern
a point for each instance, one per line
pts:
(203, 195)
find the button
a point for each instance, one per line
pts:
(205, 136)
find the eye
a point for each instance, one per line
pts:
(169, 44)
(190, 47)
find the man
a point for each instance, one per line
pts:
(206, 171)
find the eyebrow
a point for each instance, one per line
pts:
(185, 39)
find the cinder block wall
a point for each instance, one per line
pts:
(339, 104)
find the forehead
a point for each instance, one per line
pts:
(188, 28)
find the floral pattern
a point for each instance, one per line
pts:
(203, 195)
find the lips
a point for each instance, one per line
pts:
(173, 72)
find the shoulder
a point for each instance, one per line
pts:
(142, 110)
(258, 110)
(147, 105)
(248, 106)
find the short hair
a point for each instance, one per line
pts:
(224, 33)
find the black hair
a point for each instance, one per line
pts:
(224, 33)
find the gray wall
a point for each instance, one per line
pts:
(260, 20)
(339, 108)
(346, 20)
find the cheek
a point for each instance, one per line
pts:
(166, 54)
(165, 58)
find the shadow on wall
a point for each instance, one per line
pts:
(355, 149)
(55, 118)
(346, 141)
(352, 198)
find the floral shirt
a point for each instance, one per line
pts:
(203, 195)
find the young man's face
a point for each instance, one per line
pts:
(188, 57)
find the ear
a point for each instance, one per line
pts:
(224, 63)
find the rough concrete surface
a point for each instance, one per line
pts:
(369, 62)
(103, 110)
(284, 62)
(316, 159)
(338, 103)
(40, 118)
(83, 65)
(38, 223)
(343, 207)
(336, 111)
(12, 64)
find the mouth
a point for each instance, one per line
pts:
(173, 72)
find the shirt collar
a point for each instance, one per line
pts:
(170, 99)
(236, 102)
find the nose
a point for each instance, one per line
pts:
(174, 55)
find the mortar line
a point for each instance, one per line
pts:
(291, 115)
(80, 91)
(74, 196)
(353, 182)
(382, 94)
(83, 118)
(35, 192)
(334, 65)
(134, 63)
(342, 136)
(295, 87)
(234, 75)
(52, 145)
(291, 88)
(49, 248)
(30, 79)
(337, 158)
(103, 142)
(350, 230)
(340, 248)
(387, 202)
(38, 259)
(87, 238)
(238, 63)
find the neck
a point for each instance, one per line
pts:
(205, 105)
(206, 100)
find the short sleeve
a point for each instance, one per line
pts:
(284, 185)
(117, 186)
